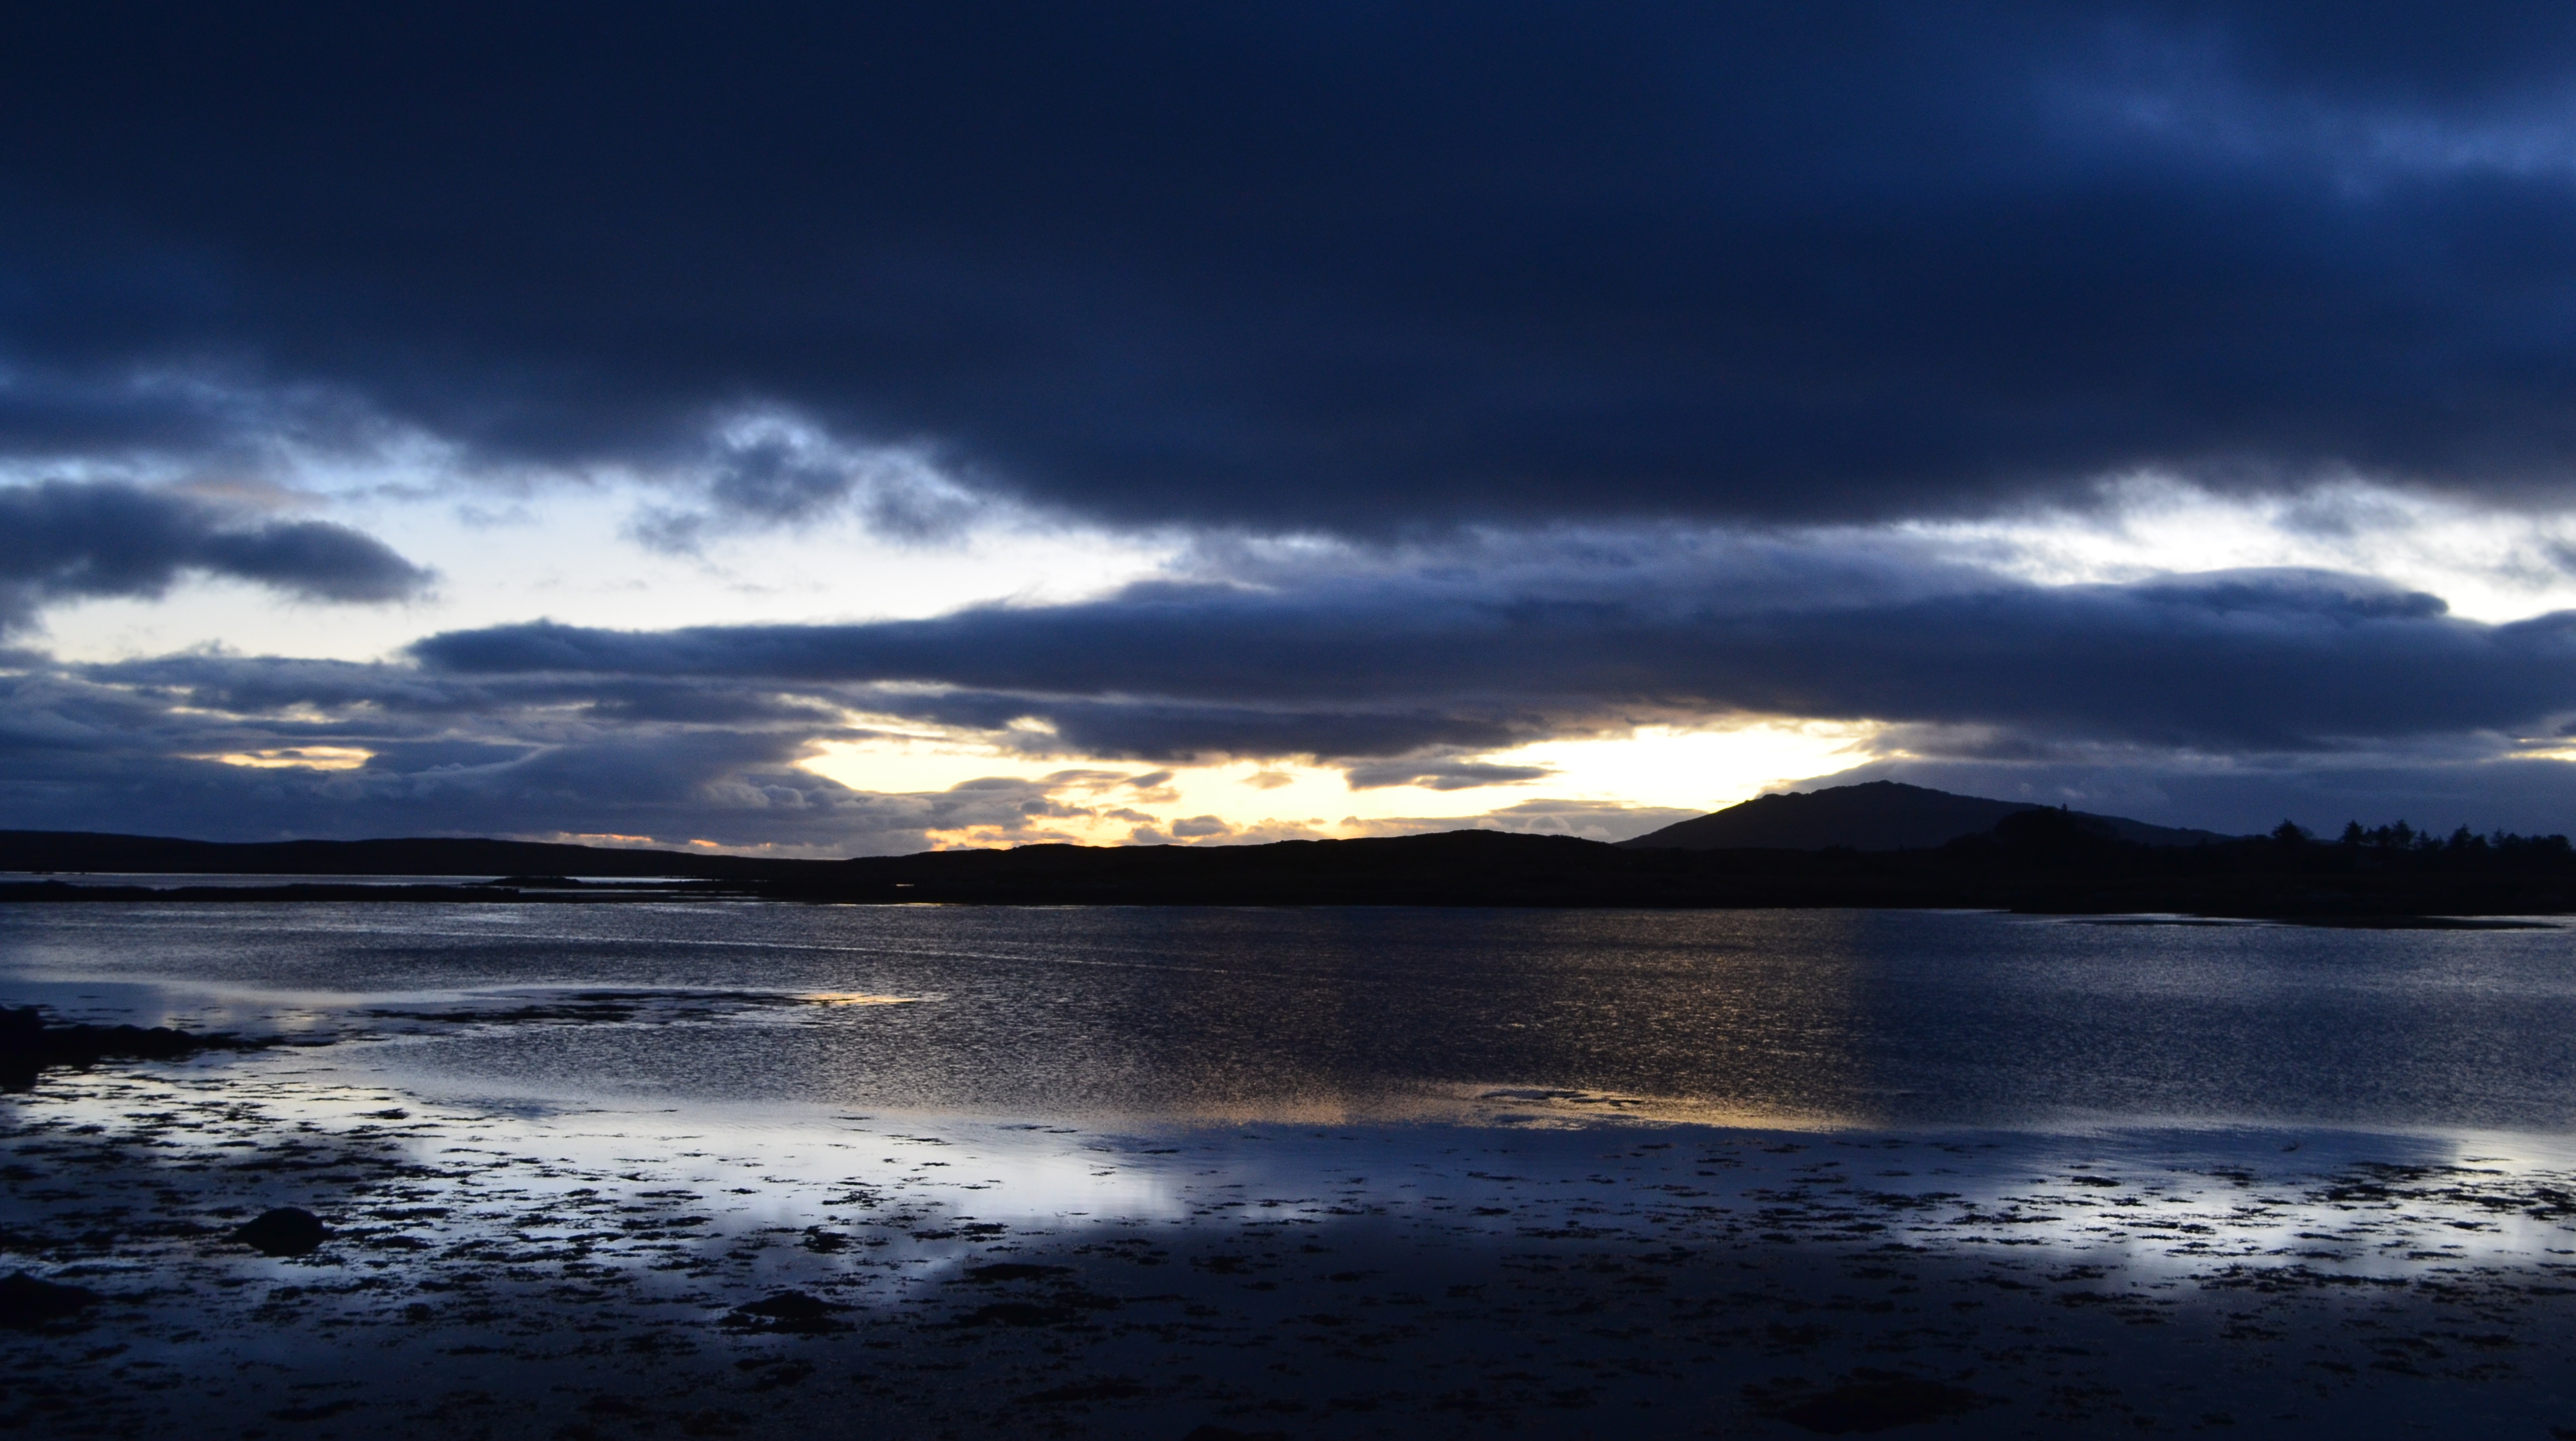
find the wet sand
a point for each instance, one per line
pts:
(510, 1270)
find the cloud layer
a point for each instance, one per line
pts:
(1296, 267)
(61, 540)
(2220, 694)
(1497, 374)
(2267, 661)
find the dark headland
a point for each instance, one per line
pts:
(1879, 844)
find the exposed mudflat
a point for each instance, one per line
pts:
(510, 1271)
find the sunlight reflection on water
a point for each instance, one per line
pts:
(562, 1147)
(1797, 1019)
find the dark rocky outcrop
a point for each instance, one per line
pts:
(283, 1231)
(27, 1302)
(795, 1313)
(28, 1045)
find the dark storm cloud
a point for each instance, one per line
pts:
(254, 685)
(1150, 729)
(2275, 660)
(784, 474)
(61, 540)
(1316, 265)
(765, 482)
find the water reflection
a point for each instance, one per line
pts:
(1760, 1018)
(691, 1169)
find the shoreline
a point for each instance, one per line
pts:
(540, 1271)
(55, 893)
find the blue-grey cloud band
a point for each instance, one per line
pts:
(2252, 660)
(62, 540)
(1315, 266)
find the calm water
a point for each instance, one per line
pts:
(2117, 1177)
(1886, 1019)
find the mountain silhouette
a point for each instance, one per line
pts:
(2034, 859)
(1876, 816)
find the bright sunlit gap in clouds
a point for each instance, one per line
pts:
(316, 758)
(1589, 787)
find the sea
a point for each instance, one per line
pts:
(1144, 1017)
(2311, 1179)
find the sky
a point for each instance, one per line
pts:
(851, 429)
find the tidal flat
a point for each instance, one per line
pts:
(551, 1206)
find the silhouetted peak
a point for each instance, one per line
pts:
(1878, 816)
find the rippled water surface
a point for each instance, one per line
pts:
(1785, 1018)
(637, 1169)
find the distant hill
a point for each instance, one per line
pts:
(1875, 816)
(2034, 859)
